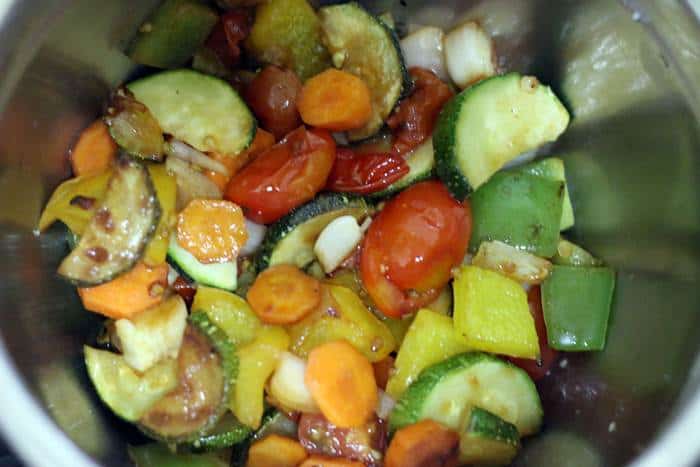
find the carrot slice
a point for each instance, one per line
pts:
(283, 294)
(262, 141)
(324, 461)
(423, 444)
(212, 230)
(95, 150)
(276, 451)
(382, 371)
(335, 100)
(128, 294)
(341, 381)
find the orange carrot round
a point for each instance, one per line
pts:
(95, 150)
(212, 230)
(426, 443)
(325, 461)
(128, 294)
(275, 451)
(341, 381)
(335, 100)
(283, 294)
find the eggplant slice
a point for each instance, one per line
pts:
(117, 234)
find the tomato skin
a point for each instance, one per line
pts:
(414, 119)
(411, 247)
(547, 354)
(365, 173)
(225, 39)
(288, 174)
(272, 96)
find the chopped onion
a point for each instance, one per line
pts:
(385, 405)
(176, 148)
(519, 265)
(256, 234)
(337, 241)
(424, 48)
(288, 387)
(469, 54)
(191, 184)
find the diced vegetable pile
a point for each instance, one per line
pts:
(313, 245)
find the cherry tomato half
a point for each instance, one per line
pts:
(414, 119)
(365, 173)
(288, 174)
(537, 369)
(411, 247)
(228, 34)
(272, 96)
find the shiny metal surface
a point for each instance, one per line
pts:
(629, 71)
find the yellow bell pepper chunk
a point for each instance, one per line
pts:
(166, 189)
(229, 312)
(256, 363)
(431, 338)
(492, 313)
(74, 202)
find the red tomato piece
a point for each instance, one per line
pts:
(537, 369)
(288, 174)
(365, 173)
(414, 119)
(228, 34)
(272, 96)
(365, 443)
(411, 247)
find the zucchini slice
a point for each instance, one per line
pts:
(446, 391)
(127, 393)
(491, 123)
(219, 275)
(421, 164)
(201, 110)
(486, 439)
(116, 236)
(226, 433)
(291, 239)
(207, 369)
(363, 45)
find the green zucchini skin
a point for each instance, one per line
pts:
(421, 164)
(220, 275)
(228, 432)
(491, 123)
(106, 249)
(157, 423)
(173, 33)
(487, 439)
(443, 392)
(331, 204)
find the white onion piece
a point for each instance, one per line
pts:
(191, 184)
(469, 54)
(172, 275)
(337, 241)
(385, 405)
(424, 48)
(516, 264)
(256, 234)
(288, 387)
(176, 148)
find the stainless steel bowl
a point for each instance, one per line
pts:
(630, 73)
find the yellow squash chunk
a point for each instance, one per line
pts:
(229, 312)
(431, 338)
(342, 315)
(492, 313)
(166, 189)
(256, 362)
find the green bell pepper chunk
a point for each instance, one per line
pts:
(519, 209)
(576, 302)
(173, 33)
